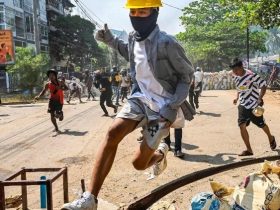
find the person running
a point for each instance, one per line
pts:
(56, 99)
(161, 74)
(103, 83)
(89, 83)
(124, 85)
(116, 81)
(248, 85)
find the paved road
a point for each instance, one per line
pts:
(213, 138)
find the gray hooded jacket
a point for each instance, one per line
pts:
(169, 65)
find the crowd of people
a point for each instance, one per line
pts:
(157, 101)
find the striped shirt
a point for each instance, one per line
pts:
(248, 87)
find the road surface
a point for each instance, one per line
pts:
(211, 139)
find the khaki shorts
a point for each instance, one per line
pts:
(153, 131)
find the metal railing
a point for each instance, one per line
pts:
(20, 32)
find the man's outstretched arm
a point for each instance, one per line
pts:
(42, 92)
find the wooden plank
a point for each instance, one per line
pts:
(148, 200)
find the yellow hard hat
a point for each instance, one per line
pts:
(135, 4)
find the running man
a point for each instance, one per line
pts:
(56, 99)
(161, 74)
(103, 83)
(248, 85)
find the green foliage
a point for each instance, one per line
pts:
(262, 12)
(100, 62)
(29, 67)
(212, 38)
(73, 41)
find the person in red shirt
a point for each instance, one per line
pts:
(56, 99)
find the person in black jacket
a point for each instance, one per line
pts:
(104, 85)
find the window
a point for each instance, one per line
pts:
(18, 3)
(2, 20)
(20, 43)
(28, 6)
(10, 17)
(29, 23)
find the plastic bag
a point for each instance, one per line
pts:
(208, 201)
(212, 201)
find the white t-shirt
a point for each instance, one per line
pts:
(152, 93)
(198, 76)
(248, 87)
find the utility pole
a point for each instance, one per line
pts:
(36, 14)
(248, 47)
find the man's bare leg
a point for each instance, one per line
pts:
(245, 137)
(107, 151)
(54, 121)
(145, 157)
(267, 131)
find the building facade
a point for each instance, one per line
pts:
(19, 16)
(31, 22)
(56, 8)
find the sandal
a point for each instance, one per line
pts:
(273, 144)
(246, 153)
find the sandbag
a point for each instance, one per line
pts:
(259, 191)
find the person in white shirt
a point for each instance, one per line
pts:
(161, 75)
(75, 89)
(199, 75)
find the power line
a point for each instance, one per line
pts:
(86, 14)
(174, 7)
(92, 12)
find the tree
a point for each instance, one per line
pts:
(29, 68)
(73, 41)
(262, 12)
(211, 39)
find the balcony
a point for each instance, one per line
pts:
(28, 8)
(45, 41)
(55, 6)
(20, 32)
(30, 37)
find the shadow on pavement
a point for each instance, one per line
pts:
(278, 151)
(189, 146)
(209, 96)
(66, 104)
(4, 115)
(209, 114)
(26, 106)
(73, 133)
(215, 160)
